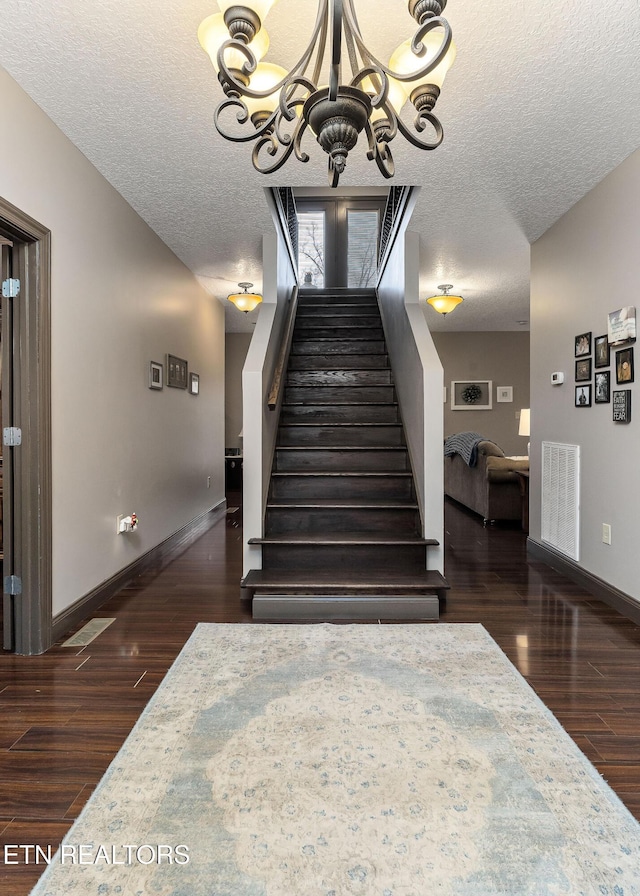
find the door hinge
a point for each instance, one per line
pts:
(10, 288)
(12, 585)
(12, 436)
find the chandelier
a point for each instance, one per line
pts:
(274, 107)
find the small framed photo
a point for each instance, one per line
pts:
(504, 393)
(176, 372)
(622, 406)
(621, 326)
(583, 370)
(471, 395)
(601, 351)
(583, 345)
(156, 375)
(194, 383)
(624, 366)
(583, 396)
(602, 387)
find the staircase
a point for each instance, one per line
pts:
(342, 530)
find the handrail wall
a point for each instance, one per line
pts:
(260, 425)
(418, 377)
(274, 399)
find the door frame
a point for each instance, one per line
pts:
(32, 485)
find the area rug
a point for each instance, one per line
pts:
(328, 760)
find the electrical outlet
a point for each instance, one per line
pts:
(606, 533)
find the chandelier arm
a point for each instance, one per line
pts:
(420, 125)
(292, 145)
(288, 102)
(242, 117)
(273, 146)
(380, 98)
(416, 45)
(336, 49)
(322, 42)
(384, 160)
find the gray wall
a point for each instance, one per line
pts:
(502, 358)
(235, 352)
(119, 299)
(584, 267)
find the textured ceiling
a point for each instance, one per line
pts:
(540, 105)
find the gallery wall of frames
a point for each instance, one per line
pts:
(604, 365)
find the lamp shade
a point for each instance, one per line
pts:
(396, 96)
(525, 422)
(404, 61)
(265, 76)
(245, 301)
(213, 32)
(445, 303)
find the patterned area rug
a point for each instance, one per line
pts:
(324, 760)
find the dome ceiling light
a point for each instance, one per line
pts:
(274, 107)
(445, 303)
(245, 301)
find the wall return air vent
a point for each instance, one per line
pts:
(561, 497)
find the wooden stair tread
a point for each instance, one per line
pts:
(339, 404)
(384, 474)
(297, 579)
(330, 504)
(341, 447)
(340, 423)
(353, 538)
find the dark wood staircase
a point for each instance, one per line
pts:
(342, 529)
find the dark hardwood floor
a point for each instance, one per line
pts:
(65, 714)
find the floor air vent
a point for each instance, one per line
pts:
(88, 632)
(561, 497)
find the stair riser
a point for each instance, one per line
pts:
(292, 460)
(346, 331)
(371, 413)
(319, 521)
(322, 316)
(307, 300)
(340, 394)
(338, 347)
(341, 488)
(334, 436)
(357, 557)
(329, 362)
(339, 378)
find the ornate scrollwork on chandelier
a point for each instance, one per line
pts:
(273, 107)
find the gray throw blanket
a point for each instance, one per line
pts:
(466, 445)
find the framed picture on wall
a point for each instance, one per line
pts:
(583, 396)
(176, 372)
(471, 395)
(583, 370)
(504, 393)
(194, 383)
(622, 406)
(601, 351)
(603, 387)
(156, 375)
(583, 345)
(622, 326)
(624, 366)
